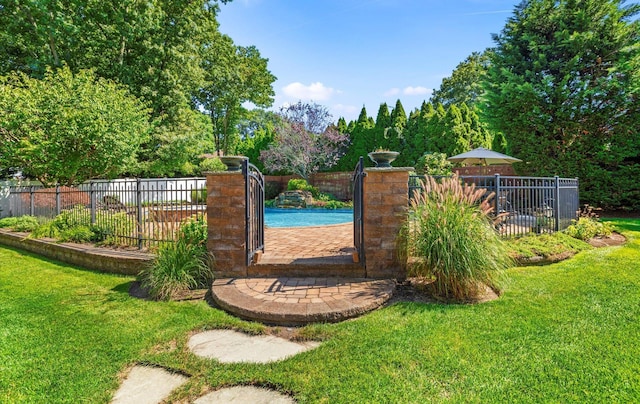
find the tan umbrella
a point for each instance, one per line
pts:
(484, 157)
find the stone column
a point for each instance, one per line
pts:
(226, 223)
(386, 199)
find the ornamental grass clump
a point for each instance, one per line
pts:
(451, 239)
(179, 265)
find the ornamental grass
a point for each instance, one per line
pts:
(450, 238)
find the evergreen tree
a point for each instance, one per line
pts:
(563, 88)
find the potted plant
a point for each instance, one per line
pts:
(233, 163)
(383, 158)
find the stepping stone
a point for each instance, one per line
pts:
(147, 385)
(228, 346)
(243, 395)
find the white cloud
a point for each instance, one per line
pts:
(392, 91)
(346, 111)
(315, 91)
(416, 90)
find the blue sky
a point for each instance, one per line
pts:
(348, 53)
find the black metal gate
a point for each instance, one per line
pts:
(254, 181)
(358, 210)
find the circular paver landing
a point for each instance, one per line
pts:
(298, 301)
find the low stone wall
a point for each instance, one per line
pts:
(99, 259)
(337, 184)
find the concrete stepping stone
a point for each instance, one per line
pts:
(228, 346)
(243, 395)
(147, 385)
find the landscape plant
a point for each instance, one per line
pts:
(179, 265)
(305, 141)
(69, 127)
(449, 237)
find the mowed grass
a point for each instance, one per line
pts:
(568, 332)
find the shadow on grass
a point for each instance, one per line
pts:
(626, 224)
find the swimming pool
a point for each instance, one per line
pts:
(274, 217)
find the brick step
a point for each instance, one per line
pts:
(309, 268)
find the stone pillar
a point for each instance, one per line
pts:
(386, 199)
(226, 223)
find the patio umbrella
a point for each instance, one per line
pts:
(484, 157)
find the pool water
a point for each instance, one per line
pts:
(274, 217)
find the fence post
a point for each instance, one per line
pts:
(92, 201)
(497, 197)
(139, 212)
(32, 209)
(556, 205)
(57, 199)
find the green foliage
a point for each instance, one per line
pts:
(75, 225)
(464, 86)
(20, 224)
(271, 190)
(545, 245)
(434, 164)
(199, 196)
(586, 228)
(179, 265)
(563, 87)
(212, 164)
(67, 128)
(452, 237)
(332, 204)
(299, 184)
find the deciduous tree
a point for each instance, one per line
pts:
(306, 141)
(67, 128)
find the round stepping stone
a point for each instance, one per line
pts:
(243, 395)
(147, 385)
(228, 346)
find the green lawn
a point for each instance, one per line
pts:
(560, 333)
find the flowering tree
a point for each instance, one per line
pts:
(306, 141)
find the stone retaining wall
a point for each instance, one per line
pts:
(87, 256)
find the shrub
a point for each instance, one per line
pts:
(180, 265)
(586, 228)
(302, 185)
(199, 196)
(212, 164)
(77, 234)
(434, 164)
(271, 190)
(22, 224)
(451, 235)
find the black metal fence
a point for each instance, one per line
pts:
(133, 212)
(525, 204)
(254, 182)
(358, 210)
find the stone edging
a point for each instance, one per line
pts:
(87, 256)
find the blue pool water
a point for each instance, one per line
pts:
(274, 217)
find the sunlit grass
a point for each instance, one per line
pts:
(568, 332)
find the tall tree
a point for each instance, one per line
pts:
(563, 86)
(234, 75)
(157, 48)
(465, 83)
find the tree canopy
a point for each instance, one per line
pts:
(305, 141)
(67, 128)
(562, 86)
(166, 52)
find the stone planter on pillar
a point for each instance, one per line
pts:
(226, 223)
(385, 205)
